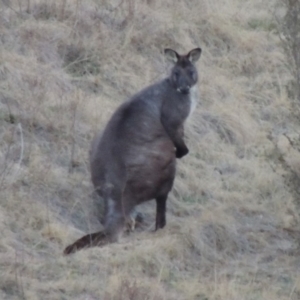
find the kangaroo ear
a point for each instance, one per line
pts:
(171, 55)
(194, 55)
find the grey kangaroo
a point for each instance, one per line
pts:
(134, 160)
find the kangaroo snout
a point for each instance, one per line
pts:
(184, 90)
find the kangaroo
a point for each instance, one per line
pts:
(134, 160)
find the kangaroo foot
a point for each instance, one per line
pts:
(133, 221)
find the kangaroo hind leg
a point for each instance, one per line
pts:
(114, 225)
(117, 211)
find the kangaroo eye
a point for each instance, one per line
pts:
(176, 75)
(192, 73)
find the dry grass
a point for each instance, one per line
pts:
(233, 215)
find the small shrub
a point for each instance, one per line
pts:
(79, 61)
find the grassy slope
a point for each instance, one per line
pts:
(64, 67)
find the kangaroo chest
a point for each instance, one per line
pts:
(193, 99)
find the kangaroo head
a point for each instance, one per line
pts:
(184, 73)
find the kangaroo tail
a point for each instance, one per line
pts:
(89, 240)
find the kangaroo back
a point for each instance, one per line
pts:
(134, 159)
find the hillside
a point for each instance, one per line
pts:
(233, 216)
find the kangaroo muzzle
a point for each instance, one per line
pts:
(184, 90)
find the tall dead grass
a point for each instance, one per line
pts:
(233, 218)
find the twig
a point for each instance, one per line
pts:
(73, 138)
(6, 168)
(28, 6)
(22, 149)
(19, 278)
(22, 144)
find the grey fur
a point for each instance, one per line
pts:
(134, 160)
